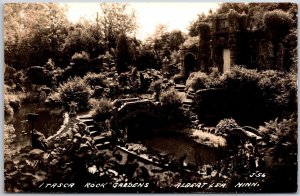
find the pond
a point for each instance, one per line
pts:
(49, 122)
(180, 146)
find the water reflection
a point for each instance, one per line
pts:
(50, 120)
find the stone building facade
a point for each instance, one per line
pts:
(227, 41)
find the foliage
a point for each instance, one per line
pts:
(125, 53)
(191, 42)
(75, 90)
(146, 58)
(159, 85)
(240, 77)
(175, 39)
(278, 23)
(263, 95)
(194, 25)
(200, 80)
(164, 42)
(9, 146)
(80, 58)
(94, 79)
(283, 132)
(117, 19)
(275, 89)
(83, 36)
(170, 98)
(33, 32)
(204, 30)
(104, 109)
(226, 125)
(282, 146)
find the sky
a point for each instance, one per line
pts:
(149, 15)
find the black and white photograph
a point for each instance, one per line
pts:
(150, 97)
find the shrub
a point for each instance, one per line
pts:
(280, 132)
(94, 79)
(279, 89)
(240, 77)
(226, 125)
(103, 108)
(81, 58)
(156, 86)
(277, 22)
(171, 103)
(198, 80)
(75, 90)
(170, 98)
(191, 42)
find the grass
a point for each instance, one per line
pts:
(206, 138)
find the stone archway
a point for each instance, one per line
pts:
(135, 115)
(189, 63)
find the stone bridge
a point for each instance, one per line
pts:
(134, 110)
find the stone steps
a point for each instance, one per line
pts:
(180, 87)
(100, 139)
(102, 146)
(187, 102)
(101, 142)
(87, 121)
(91, 128)
(190, 95)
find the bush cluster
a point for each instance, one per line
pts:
(170, 98)
(171, 103)
(104, 109)
(81, 58)
(75, 90)
(226, 125)
(94, 79)
(270, 89)
(200, 80)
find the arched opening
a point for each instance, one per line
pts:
(189, 63)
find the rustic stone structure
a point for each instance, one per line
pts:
(228, 41)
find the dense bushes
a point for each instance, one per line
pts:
(278, 23)
(171, 103)
(170, 99)
(94, 79)
(259, 95)
(275, 89)
(281, 132)
(81, 58)
(200, 80)
(104, 109)
(226, 125)
(280, 137)
(75, 90)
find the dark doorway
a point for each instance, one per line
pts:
(189, 63)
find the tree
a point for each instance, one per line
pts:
(82, 36)
(33, 33)
(194, 25)
(125, 54)
(175, 39)
(117, 20)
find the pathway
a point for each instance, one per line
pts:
(187, 104)
(101, 141)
